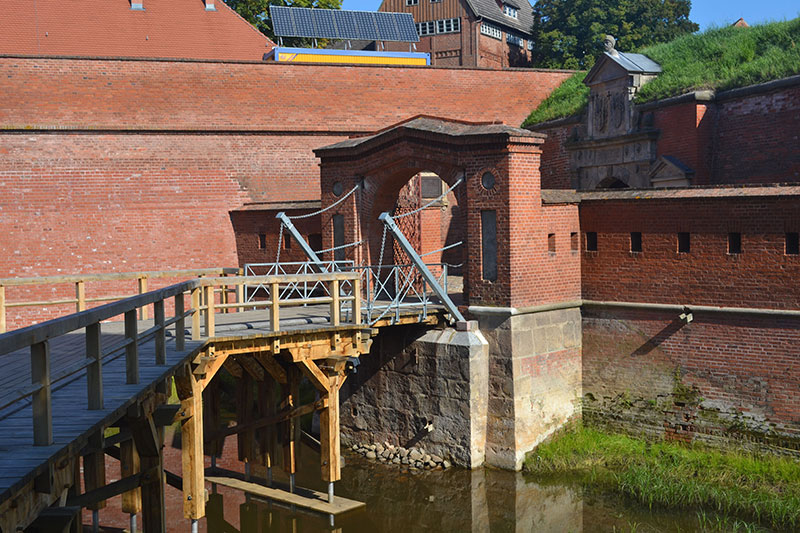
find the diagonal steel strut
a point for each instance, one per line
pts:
(421, 266)
(287, 223)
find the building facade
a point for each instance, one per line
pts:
(474, 33)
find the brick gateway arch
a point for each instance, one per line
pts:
(521, 279)
(499, 165)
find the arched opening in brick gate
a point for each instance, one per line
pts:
(497, 171)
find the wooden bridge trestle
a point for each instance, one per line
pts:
(118, 375)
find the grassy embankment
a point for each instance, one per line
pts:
(720, 59)
(761, 488)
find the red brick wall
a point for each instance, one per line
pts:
(722, 377)
(120, 165)
(555, 159)
(757, 138)
(684, 128)
(761, 276)
(249, 224)
(719, 379)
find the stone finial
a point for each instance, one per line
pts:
(608, 45)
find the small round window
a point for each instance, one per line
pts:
(338, 188)
(487, 180)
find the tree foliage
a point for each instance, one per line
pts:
(569, 33)
(256, 12)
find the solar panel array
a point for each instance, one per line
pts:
(343, 25)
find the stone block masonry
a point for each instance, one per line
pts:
(421, 388)
(535, 383)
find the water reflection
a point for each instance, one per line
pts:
(454, 500)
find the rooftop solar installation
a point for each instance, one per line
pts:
(343, 25)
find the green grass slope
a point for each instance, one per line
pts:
(719, 59)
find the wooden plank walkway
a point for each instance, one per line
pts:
(73, 422)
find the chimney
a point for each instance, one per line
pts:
(210, 5)
(137, 5)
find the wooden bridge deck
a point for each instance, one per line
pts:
(73, 423)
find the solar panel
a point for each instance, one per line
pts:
(339, 24)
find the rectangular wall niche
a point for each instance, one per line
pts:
(489, 244)
(338, 237)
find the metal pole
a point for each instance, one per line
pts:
(95, 521)
(330, 492)
(420, 264)
(291, 483)
(195, 525)
(269, 476)
(133, 523)
(247, 471)
(287, 223)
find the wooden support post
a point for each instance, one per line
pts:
(94, 468)
(40, 375)
(356, 301)
(143, 289)
(129, 465)
(196, 314)
(266, 407)
(329, 436)
(180, 325)
(244, 415)
(209, 290)
(274, 311)
(291, 434)
(132, 349)
(161, 334)
(191, 395)
(2, 309)
(149, 445)
(80, 295)
(94, 372)
(211, 417)
(335, 303)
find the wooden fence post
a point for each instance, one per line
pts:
(274, 312)
(94, 372)
(196, 313)
(2, 309)
(142, 290)
(80, 295)
(335, 307)
(210, 303)
(161, 333)
(132, 349)
(357, 301)
(40, 375)
(180, 324)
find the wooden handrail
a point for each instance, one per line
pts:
(115, 276)
(38, 338)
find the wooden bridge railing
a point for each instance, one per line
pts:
(80, 281)
(38, 338)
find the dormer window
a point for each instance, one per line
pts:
(510, 11)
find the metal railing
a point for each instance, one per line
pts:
(386, 290)
(38, 339)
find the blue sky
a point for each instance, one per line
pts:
(704, 12)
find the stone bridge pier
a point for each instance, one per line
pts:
(489, 390)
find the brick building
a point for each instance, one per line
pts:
(475, 33)
(183, 29)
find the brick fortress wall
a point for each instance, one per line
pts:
(722, 377)
(120, 165)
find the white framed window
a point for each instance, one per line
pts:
(438, 26)
(491, 30)
(426, 28)
(530, 44)
(516, 40)
(412, 2)
(435, 1)
(510, 11)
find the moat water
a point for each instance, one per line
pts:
(459, 500)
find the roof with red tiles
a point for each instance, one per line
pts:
(180, 29)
